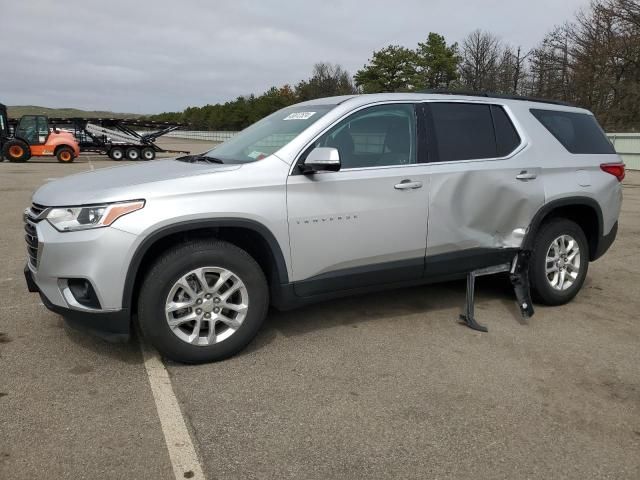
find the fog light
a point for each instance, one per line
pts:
(83, 292)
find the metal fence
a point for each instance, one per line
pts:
(626, 144)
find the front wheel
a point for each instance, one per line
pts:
(559, 261)
(203, 301)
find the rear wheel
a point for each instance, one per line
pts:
(559, 261)
(133, 153)
(65, 155)
(148, 153)
(202, 301)
(16, 151)
(116, 153)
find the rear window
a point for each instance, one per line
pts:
(507, 138)
(579, 133)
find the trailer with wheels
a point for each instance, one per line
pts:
(119, 138)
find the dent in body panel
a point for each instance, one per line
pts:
(484, 208)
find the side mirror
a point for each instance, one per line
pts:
(322, 159)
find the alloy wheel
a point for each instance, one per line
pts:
(562, 265)
(206, 306)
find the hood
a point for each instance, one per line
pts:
(119, 183)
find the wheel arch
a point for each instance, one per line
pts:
(585, 211)
(61, 146)
(250, 235)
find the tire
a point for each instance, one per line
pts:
(65, 155)
(16, 151)
(566, 285)
(116, 153)
(148, 153)
(163, 282)
(133, 153)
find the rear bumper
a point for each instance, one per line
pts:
(114, 326)
(605, 242)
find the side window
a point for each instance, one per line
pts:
(43, 129)
(27, 129)
(507, 138)
(373, 137)
(463, 131)
(577, 132)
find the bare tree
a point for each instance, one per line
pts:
(605, 50)
(480, 61)
(512, 71)
(551, 67)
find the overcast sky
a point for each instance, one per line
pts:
(164, 55)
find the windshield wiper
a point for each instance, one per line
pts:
(199, 158)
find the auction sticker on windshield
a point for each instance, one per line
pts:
(300, 116)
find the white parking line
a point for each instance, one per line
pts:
(181, 451)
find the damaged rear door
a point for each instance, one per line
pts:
(485, 186)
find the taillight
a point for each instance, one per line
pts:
(615, 169)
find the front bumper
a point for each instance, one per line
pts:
(113, 326)
(98, 257)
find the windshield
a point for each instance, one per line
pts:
(269, 134)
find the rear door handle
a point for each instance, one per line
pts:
(524, 176)
(407, 185)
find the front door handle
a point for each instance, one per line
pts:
(407, 185)
(524, 176)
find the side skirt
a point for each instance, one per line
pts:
(358, 281)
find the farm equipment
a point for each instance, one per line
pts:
(117, 138)
(33, 137)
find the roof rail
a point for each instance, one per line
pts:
(472, 93)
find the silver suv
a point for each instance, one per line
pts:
(336, 196)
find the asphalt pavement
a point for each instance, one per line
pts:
(388, 385)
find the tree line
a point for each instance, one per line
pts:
(592, 61)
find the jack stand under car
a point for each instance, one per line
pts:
(519, 276)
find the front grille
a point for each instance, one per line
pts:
(32, 216)
(32, 242)
(36, 209)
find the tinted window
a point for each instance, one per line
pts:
(373, 137)
(577, 132)
(507, 138)
(463, 131)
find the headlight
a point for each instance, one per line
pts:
(67, 219)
